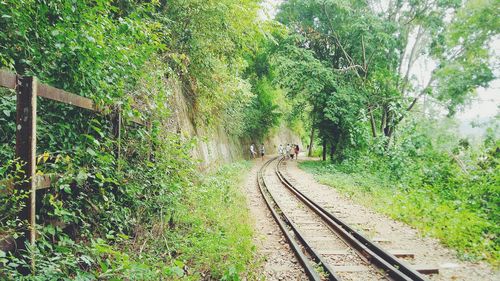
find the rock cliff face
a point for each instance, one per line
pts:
(214, 146)
(282, 135)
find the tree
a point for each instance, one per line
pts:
(371, 53)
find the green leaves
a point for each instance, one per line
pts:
(353, 62)
(209, 40)
(463, 53)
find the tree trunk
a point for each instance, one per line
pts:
(311, 142)
(387, 124)
(388, 135)
(388, 127)
(324, 150)
(332, 150)
(412, 59)
(384, 119)
(372, 124)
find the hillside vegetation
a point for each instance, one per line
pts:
(148, 214)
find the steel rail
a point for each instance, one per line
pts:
(310, 271)
(397, 269)
(282, 221)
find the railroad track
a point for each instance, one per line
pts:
(326, 247)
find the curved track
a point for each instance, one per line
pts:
(326, 247)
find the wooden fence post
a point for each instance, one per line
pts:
(26, 92)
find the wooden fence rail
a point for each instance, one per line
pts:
(10, 80)
(27, 89)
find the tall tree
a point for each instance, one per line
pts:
(372, 53)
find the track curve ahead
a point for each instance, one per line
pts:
(295, 214)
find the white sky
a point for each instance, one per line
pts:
(487, 102)
(484, 106)
(269, 8)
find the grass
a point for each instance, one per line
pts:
(217, 238)
(209, 235)
(459, 228)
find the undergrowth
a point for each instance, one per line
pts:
(220, 237)
(447, 211)
(206, 234)
(212, 236)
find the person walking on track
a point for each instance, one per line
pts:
(297, 152)
(262, 151)
(252, 151)
(287, 150)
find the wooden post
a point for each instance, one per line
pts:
(26, 143)
(26, 92)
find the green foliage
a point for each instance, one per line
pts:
(119, 53)
(212, 37)
(430, 180)
(263, 112)
(352, 63)
(204, 232)
(8, 127)
(13, 200)
(85, 47)
(215, 232)
(269, 104)
(464, 56)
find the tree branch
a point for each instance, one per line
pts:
(372, 124)
(412, 104)
(335, 35)
(345, 69)
(365, 67)
(411, 59)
